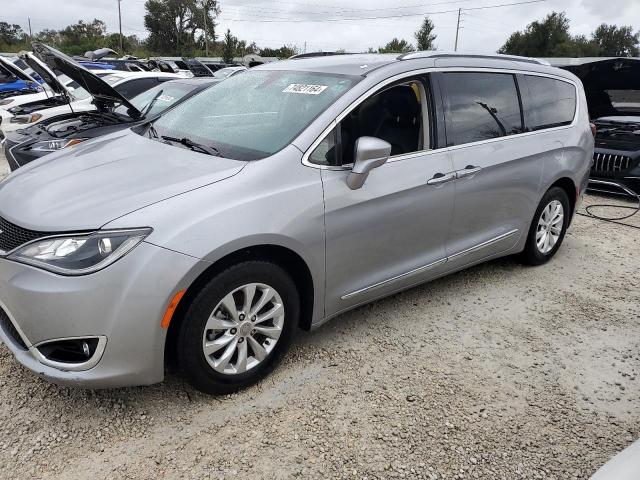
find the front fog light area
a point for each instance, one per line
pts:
(71, 354)
(80, 254)
(69, 351)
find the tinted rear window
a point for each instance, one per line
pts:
(480, 106)
(551, 103)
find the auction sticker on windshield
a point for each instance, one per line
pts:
(305, 89)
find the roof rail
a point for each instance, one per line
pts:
(497, 56)
(317, 54)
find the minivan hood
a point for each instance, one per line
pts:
(87, 186)
(45, 73)
(18, 72)
(102, 92)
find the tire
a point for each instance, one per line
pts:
(533, 253)
(209, 323)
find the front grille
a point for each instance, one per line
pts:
(10, 330)
(610, 163)
(13, 236)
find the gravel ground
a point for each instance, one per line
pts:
(498, 372)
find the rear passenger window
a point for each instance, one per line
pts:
(480, 106)
(551, 103)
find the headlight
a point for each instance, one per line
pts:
(34, 117)
(53, 145)
(80, 254)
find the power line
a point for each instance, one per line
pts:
(242, 8)
(386, 17)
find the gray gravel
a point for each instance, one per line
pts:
(498, 372)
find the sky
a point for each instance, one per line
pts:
(354, 26)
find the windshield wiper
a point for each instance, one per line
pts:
(193, 145)
(152, 103)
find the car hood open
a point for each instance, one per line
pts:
(103, 93)
(602, 75)
(46, 74)
(18, 72)
(87, 186)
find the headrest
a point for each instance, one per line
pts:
(401, 102)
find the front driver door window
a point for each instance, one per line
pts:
(391, 232)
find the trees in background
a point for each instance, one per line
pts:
(551, 38)
(83, 36)
(425, 37)
(177, 27)
(285, 51)
(184, 27)
(11, 35)
(614, 41)
(229, 47)
(397, 46)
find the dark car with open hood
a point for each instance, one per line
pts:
(613, 94)
(64, 131)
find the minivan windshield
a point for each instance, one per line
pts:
(256, 114)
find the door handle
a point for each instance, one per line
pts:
(440, 178)
(470, 171)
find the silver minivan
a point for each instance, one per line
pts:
(279, 199)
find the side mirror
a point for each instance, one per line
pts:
(370, 153)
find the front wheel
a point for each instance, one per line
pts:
(238, 327)
(548, 228)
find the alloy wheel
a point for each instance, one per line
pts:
(550, 227)
(243, 329)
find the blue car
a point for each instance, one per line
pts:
(15, 81)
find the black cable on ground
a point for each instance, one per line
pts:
(617, 220)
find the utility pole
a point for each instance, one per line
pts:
(458, 28)
(30, 34)
(206, 35)
(120, 23)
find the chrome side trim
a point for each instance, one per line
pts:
(393, 279)
(484, 244)
(412, 73)
(430, 266)
(70, 367)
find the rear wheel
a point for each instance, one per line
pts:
(548, 228)
(238, 328)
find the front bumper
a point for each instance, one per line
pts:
(615, 166)
(123, 303)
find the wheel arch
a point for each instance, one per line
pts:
(288, 259)
(571, 189)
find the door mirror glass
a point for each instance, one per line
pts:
(370, 153)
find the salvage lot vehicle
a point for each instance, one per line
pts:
(63, 131)
(280, 198)
(613, 95)
(92, 92)
(44, 94)
(15, 81)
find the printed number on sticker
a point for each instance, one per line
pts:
(305, 89)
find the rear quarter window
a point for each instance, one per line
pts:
(480, 106)
(550, 103)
